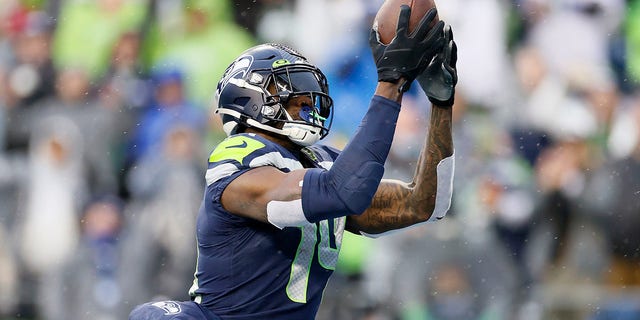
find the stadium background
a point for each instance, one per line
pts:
(105, 122)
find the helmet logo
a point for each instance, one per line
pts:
(237, 70)
(280, 62)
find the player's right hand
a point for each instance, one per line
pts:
(407, 55)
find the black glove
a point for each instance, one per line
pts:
(407, 54)
(440, 77)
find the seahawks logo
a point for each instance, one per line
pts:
(238, 70)
(169, 307)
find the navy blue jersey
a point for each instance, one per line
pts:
(248, 269)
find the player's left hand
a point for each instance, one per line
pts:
(440, 77)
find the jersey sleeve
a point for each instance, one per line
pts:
(229, 159)
(238, 154)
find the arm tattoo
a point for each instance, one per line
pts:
(397, 204)
(439, 146)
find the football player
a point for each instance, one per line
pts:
(277, 203)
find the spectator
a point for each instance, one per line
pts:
(48, 231)
(125, 91)
(76, 102)
(170, 107)
(191, 39)
(611, 196)
(88, 284)
(93, 26)
(165, 191)
(124, 85)
(30, 75)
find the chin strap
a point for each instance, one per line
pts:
(301, 134)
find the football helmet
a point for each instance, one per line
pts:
(256, 87)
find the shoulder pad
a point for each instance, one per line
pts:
(235, 148)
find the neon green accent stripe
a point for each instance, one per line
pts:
(280, 62)
(235, 148)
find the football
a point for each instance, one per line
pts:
(386, 20)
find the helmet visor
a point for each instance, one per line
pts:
(300, 79)
(297, 80)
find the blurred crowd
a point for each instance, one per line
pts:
(106, 122)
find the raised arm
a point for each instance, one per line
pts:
(398, 204)
(312, 195)
(253, 192)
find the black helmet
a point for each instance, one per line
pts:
(243, 100)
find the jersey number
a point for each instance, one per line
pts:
(327, 254)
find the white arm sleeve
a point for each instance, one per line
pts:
(444, 191)
(286, 213)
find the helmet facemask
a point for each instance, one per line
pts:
(305, 87)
